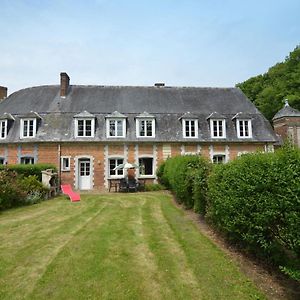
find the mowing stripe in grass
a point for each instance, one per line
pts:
(211, 266)
(170, 258)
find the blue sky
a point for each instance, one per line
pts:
(131, 42)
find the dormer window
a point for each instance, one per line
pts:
(190, 128)
(244, 128)
(84, 125)
(116, 125)
(28, 128)
(217, 128)
(243, 125)
(189, 125)
(217, 124)
(28, 125)
(3, 129)
(145, 125)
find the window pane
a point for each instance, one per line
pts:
(2, 129)
(149, 128)
(112, 129)
(246, 128)
(25, 126)
(219, 159)
(192, 132)
(187, 128)
(27, 160)
(220, 128)
(88, 128)
(80, 127)
(241, 128)
(1, 161)
(215, 128)
(30, 130)
(142, 127)
(146, 166)
(119, 128)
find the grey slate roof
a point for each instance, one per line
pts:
(166, 104)
(287, 111)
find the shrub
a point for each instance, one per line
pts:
(11, 193)
(255, 201)
(31, 185)
(27, 170)
(186, 177)
(17, 190)
(154, 187)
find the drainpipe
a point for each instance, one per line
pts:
(59, 165)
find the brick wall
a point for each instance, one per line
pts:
(99, 152)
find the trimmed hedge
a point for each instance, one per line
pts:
(186, 176)
(255, 201)
(27, 170)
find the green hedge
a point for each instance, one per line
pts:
(27, 170)
(255, 201)
(186, 176)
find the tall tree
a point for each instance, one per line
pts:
(281, 81)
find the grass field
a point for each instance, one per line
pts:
(113, 246)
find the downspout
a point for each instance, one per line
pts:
(59, 165)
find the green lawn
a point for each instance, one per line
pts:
(113, 246)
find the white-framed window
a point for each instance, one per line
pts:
(146, 168)
(27, 160)
(65, 163)
(113, 162)
(2, 161)
(190, 128)
(145, 128)
(218, 128)
(28, 128)
(3, 129)
(85, 127)
(116, 128)
(219, 159)
(244, 128)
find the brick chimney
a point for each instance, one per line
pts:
(3, 92)
(64, 84)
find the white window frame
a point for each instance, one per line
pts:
(26, 135)
(3, 124)
(138, 125)
(65, 169)
(108, 120)
(27, 156)
(249, 136)
(184, 121)
(153, 165)
(108, 168)
(84, 127)
(218, 136)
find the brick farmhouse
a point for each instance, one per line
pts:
(86, 131)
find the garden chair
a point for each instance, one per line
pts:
(67, 190)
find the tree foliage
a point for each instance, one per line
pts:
(269, 90)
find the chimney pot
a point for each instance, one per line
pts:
(159, 84)
(3, 92)
(64, 84)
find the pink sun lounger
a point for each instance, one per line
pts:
(67, 190)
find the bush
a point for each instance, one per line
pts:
(11, 193)
(27, 170)
(186, 176)
(17, 190)
(255, 201)
(154, 187)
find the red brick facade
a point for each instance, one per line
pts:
(99, 153)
